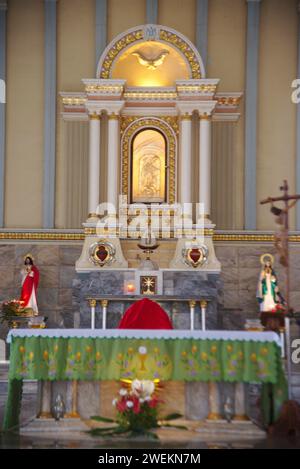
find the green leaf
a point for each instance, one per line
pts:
(102, 419)
(180, 427)
(172, 416)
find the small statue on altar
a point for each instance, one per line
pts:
(268, 294)
(30, 280)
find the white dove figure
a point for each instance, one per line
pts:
(151, 63)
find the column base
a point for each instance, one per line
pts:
(45, 415)
(240, 418)
(72, 415)
(214, 416)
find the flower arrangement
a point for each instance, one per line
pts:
(137, 412)
(12, 308)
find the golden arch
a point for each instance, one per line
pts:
(145, 33)
(129, 133)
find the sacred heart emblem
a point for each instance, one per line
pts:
(102, 253)
(195, 256)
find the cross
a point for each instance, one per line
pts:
(282, 240)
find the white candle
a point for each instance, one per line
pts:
(93, 312)
(104, 313)
(192, 314)
(203, 305)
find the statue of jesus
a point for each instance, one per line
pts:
(30, 281)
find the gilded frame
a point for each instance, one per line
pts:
(129, 128)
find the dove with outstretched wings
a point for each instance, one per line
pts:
(151, 63)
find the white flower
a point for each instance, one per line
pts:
(141, 400)
(123, 392)
(114, 402)
(142, 350)
(143, 387)
(148, 398)
(129, 404)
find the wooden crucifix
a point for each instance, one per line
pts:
(282, 236)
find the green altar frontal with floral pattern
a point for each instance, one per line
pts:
(229, 356)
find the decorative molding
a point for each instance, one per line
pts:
(251, 112)
(3, 8)
(79, 235)
(151, 32)
(129, 127)
(201, 28)
(49, 114)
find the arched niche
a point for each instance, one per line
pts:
(149, 141)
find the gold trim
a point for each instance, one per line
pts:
(217, 237)
(104, 303)
(128, 133)
(95, 117)
(192, 303)
(184, 48)
(203, 303)
(92, 303)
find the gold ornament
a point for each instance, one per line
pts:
(269, 257)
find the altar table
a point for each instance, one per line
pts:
(184, 355)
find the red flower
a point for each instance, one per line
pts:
(153, 402)
(121, 405)
(136, 405)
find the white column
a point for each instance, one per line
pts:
(186, 158)
(45, 399)
(205, 164)
(214, 401)
(113, 154)
(239, 403)
(94, 165)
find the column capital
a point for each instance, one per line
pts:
(94, 116)
(113, 116)
(185, 109)
(205, 117)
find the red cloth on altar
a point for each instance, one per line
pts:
(145, 314)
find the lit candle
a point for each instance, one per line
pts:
(130, 288)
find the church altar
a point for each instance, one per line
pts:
(166, 355)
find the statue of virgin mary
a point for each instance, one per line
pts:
(30, 281)
(268, 294)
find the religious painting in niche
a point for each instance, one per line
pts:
(148, 167)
